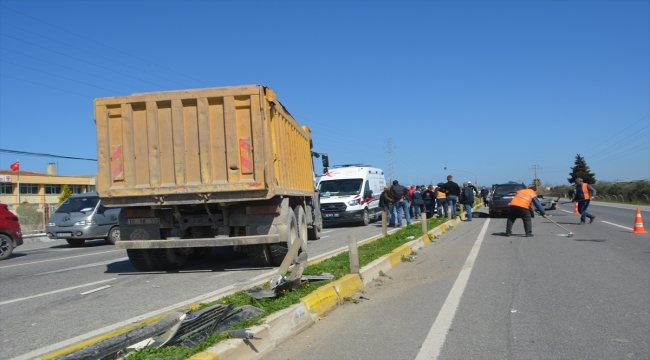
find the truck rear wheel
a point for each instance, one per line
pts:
(140, 259)
(314, 232)
(259, 255)
(167, 259)
(279, 251)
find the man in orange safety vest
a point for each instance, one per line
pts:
(583, 194)
(519, 208)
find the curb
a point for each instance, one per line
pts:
(283, 324)
(286, 323)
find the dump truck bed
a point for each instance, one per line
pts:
(217, 145)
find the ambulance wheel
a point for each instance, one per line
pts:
(366, 218)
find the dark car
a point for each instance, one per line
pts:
(501, 197)
(10, 234)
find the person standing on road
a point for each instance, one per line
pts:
(429, 201)
(418, 202)
(467, 199)
(401, 196)
(484, 194)
(583, 193)
(387, 203)
(519, 208)
(441, 200)
(453, 192)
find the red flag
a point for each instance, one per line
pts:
(15, 166)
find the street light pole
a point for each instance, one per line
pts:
(475, 177)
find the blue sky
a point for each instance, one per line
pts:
(491, 87)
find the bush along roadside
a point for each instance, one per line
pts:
(338, 265)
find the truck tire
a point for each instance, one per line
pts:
(259, 255)
(140, 259)
(6, 246)
(314, 232)
(75, 242)
(167, 259)
(279, 251)
(301, 222)
(113, 235)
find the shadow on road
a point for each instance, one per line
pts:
(220, 259)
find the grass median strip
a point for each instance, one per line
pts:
(338, 265)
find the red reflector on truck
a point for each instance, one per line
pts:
(139, 212)
(268, 209)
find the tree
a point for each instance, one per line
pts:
(581, 170)
(537, 183)
(65, 194)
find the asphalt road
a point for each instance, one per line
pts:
(474, 294)
(52, 295)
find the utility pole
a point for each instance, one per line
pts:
(536, 167)
(389, 153)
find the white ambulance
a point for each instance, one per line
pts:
(350, 193)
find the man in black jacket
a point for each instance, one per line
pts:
(401, 197)
(467, 199)
(453, 192)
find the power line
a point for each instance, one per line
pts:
(110, 47)
(26, 153)
(91, 53)
(51, 87)
(73, 69)
(59, 76)
(84, 61)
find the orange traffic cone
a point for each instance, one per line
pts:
(638, 223)
(576, 209)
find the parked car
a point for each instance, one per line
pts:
(501, 197)
(10, 233)
(83, 217)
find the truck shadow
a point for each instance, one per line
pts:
(219, 260)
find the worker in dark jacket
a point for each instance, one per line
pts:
(387, 203)
(429, 196)
(519, 208)
(484, 194)
(467, 199)
(453, 192)
(401, 196)
(418, 202)
(583, 194)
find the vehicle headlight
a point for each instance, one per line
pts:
(51, 224)
(354, 202)
(84, 223)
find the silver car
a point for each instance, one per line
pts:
(83, 217)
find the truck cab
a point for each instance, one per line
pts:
(350, 193)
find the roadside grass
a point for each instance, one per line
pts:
(338, 265)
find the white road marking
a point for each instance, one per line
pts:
(325, 232)
(621, 226)
(570, 212)
(433, 343)
(93, 290)
(323, 237)
(84, 266)
(55, 291)
(69, 257)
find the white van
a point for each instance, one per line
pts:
(350, 193)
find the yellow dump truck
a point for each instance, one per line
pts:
(196, 169)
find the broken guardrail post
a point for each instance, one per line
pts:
(354, 254)
(384, 225)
